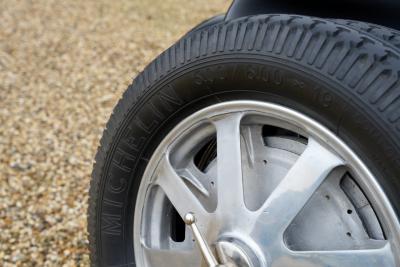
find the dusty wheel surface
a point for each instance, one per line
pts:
(280, 133)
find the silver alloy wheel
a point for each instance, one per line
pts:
(294, 196)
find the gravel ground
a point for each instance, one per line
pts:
(63, 66)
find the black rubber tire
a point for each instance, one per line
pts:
(344, 78)
(205, 24)
(390, 37)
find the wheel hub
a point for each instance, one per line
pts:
(231, 251)
(234, 253)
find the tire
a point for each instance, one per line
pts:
(388, 36)
(206, 24)
(344, 77)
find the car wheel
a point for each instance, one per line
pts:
(280, 133)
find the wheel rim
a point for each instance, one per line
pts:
(278, 183)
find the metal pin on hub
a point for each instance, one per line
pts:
(209, 257)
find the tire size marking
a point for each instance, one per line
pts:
(265, 74)
(322, 97)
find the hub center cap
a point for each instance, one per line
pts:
(235, 253)
(230, 251)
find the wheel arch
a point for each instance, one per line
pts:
(382, 12)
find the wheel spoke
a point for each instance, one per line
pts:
(181, 197)
(253, 141)
(229, 165)
(193, 175)
(381, 257)
(172, 257)
(293, 192)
